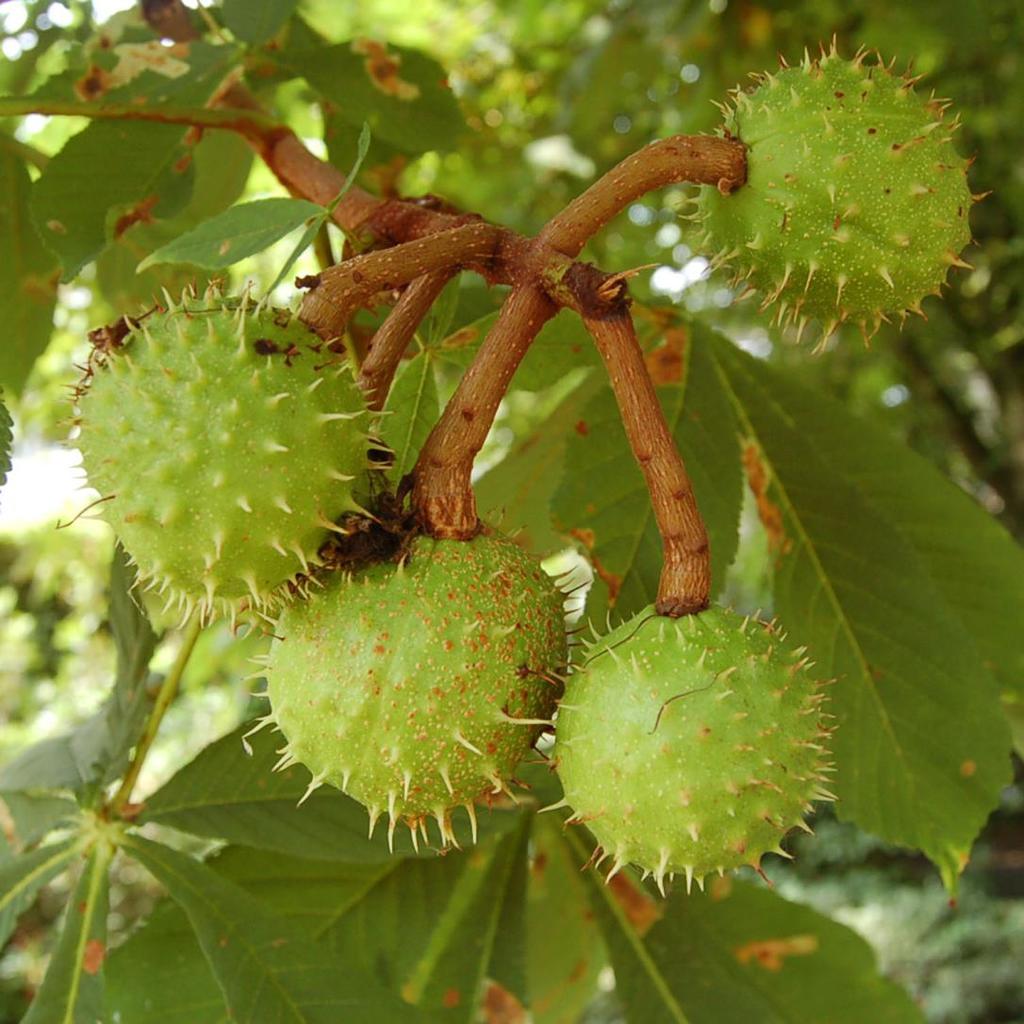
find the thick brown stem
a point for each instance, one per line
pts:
(392, 338)
(698, 159)
(685, 584)
(340, 290)
(442, 493)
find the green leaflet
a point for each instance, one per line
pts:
(412, 408)
(22, 877)
(27, 288)
(267, 969)
(401, 93)
(224, 794)
(563, 962)
(736, 954)
(516, 494)
(561, 345)
(922, 746)
(114, 174)
(255, 21)
(73, 989)
(236, 233)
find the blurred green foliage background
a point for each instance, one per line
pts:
(554, 94)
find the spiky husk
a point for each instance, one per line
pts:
(691, 745)
(856, 202)
(224, 442)
(419, 686)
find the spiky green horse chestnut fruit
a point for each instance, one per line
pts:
(856, 202)
(691, 745)
(224, 442)
(418, 685)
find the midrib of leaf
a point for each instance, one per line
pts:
(730, 965)
(65, 851)
(413, 418)
(98, 866)
(823, 578)
(636, 943)
(357, 897)
(251, 952)
(446, 925)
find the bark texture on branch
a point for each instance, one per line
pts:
(685, 583)
(392, 338)
(442, 492)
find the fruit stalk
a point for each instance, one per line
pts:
(442, 492)
(696, 159)
(164, 698)
(339, 291)
(685, 584)
(391, 339)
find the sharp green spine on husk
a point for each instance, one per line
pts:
(418, 686)
(856, 202)
(224, 441)
(691, 745)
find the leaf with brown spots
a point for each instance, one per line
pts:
(267, 965)
(382, 66)
(400, 92)
(868, 575)
(115, 173)
(666, 362)
(73, 988)
(771, 954)
(740, 954)
(767, 511)
(563, 959)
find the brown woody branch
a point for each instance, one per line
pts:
(442, 492)
(429, 244)
(391, 339)
(685, 583)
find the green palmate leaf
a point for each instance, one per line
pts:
(27, 285)
(424, 929)
(135, 641)
(412, 408)
(22, 877)
(518, 491)
(428, 928)
(160, 976)
(225, 795)
(922, 746)
(564, 949)
(268, 971)
(254, 21)
(975, 565)
(736, 954)
(115, 174)
(35, 814)
(401, 93)
(561, 345)
(6, 437)
(73, 990)
(235, 234)
(603, 502)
